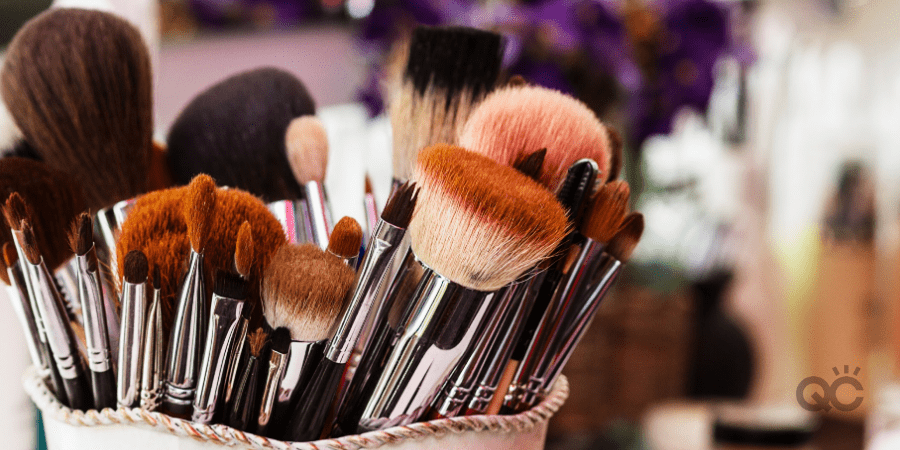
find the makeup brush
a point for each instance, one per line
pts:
(243, 411)
(448, 71)
(307, 152)
(531, 164)
(585, 259)
(243, 264)
(228, 301)
(152, 356)
(515, 119)
(346, 240)
(189, 330)
(616, 159)
(131, 342)
(279, 353)
(387, 237)
(303, 291)
(502, 224)
(78, 84)
(371, 208)
(94, 312)
(357, 311)
(50, 307)
(234, 131)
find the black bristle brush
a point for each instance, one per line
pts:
(234, 131)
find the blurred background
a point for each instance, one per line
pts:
(763, 147)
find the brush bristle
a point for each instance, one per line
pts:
(4, 274)
(49, 198)
(231, 285)
(448, 71)
(243, 252)
(78, 84)
(307, 149)
(607, 211)
(81, 236)
(10, 255)
(136, 267)
(303, 291)
(345, 238)
(29, 243)
(616, 158)
(626, 240)
(513, 120)
(400, 206)
(368, 185)
(235, 132)
(199, 207)
(15, 211)
(530, 164)
(479, 223)
(157, 278)
(281, 340)
(516, 81)
(257, 340)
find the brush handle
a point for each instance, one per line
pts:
(103, 385)
(364, 380)
(246, 396)
(79, 391)
(308, 419)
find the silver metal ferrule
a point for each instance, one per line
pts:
(56, 323)
(108, 221)
(93, 312)
(234, 358)
(371, 209)
(186, 340)
(134, 307)
(319, 213)
(274, 374)
(18, 296)
(221, 336)
(152, 356)
(286, 211)
(66, 277)
(442, 324)
(567, 298)
(357, 311)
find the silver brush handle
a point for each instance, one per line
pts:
(440, 329)
(152, 355)
(221, 336)
(19, 299)
(134, 306)
(186, 341)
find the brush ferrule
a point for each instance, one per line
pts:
(186, 341)
(444, 319)
(134, 307)
(33, 294)
(371, 208)
(459, 388)
(53, 314)
(93, 312)
(567, 299)
(303, 357)
(319, 213)
(152, 356)
(292, 219)
(18, 296)
(108, 221)
(357, 310)
(274, 374)
(224, 326)
(234, 357)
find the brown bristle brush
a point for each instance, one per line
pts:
(521, 118)
(78, 84)
(625, 241)
(478, 226)
(530, 164)
(345, 241)
(304, 290)
(448, 71)
(244, 251)
(606, 211)
(234, 131)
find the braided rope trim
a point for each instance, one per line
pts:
(225, 435)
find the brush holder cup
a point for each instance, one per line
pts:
(134, 429)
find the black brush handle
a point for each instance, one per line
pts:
(103, 385)
(308, 418)
(364, 380)
(56, 381)
(78, 388)
(246, 397)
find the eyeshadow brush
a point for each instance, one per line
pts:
(131, 342)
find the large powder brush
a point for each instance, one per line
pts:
(78, 84)
(522, 119)
(235, 132)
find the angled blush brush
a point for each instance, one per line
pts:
(131, 341)
(448, 71)
(189, 330)
(503, 223)
(94, 312)
(346, 240)
(304, 289)
(519, 119)
(234, 131)
(60, 336)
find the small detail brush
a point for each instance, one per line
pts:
(93, 310)
(18, 296)
(153, 358)
(189, 330)
(228, 301)
(346, 240)
(60, 336)
(279, 353)
(242, 412)
(244, 256)
(371, 208)
(131, 342)
(307, 152)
